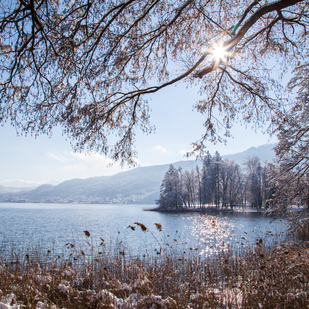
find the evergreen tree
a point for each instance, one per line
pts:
(206, 181)
(224, 175)
(268, 188)
(171, 191)
(253, 182)
(199, 185)
(216, 179)
(189, 188)
(232, 183)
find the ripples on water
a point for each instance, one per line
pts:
(51, 226)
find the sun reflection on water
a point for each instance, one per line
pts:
(220, 233)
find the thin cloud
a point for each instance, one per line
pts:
(58, 158)
(160, 148)
(81, 165)
(94, 159)
(8, 181)
(20, 183)
(74, 168)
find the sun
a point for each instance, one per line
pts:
(219, 52)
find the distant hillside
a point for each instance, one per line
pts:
(264, 152)
(139, 185)
(4, 189)
(21, 185)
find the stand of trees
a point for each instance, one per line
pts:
(219, 183)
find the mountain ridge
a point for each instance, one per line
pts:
(138, 185)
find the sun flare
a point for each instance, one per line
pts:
(219, 52)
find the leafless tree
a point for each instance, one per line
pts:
(290, 176)
(253, 174)
(90, 66)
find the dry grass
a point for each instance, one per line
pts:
(255, 278)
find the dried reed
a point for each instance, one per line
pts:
(256, 277)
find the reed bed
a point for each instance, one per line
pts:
(89, 276)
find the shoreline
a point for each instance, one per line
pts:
(205, 210)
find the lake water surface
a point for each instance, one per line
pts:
(54, 225)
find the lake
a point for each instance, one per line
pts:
(51, 226)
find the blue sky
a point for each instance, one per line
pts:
(39, 160)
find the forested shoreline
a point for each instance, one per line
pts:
(220, 185)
